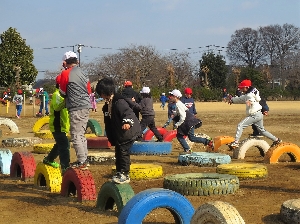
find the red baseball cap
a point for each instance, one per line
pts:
(127, 83)
(245, 83)
(188, 91)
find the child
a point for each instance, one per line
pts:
(93, 101)
(265, 111)
(171, 111)
(59, 125)
(44, 99)
(121, 126)
(186, 123)
(163, 99)
(18, 99)
(188, 101)
(253, 110)
(146, 109)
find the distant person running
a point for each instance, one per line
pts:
(163, 99)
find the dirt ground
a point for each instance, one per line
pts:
(257, 200)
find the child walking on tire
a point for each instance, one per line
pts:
(251, 98)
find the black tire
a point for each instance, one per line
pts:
(290, 211)
(144, 202)
(111, 193)
(240, 152)
(204, 159)
(151, 148)
(100, 157)
(202, 183)
(217, 212)
(5, 161)
(94, 126)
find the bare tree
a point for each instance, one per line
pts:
(245, 48)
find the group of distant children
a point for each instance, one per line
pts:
(121, 111)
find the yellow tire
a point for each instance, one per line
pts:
(42, 148)
(40, 123)
(243, 170)
(47, 177)
(86, 135)
(143, 171)
(44, 134)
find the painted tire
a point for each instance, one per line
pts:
(94, 126)
(9, 123)
(86, 136)
(111, 193)
(204, 159)
(80, 182)
(100, 142)
(240, 152)
(22, 166)
(100, 157)
(144, 202)
(217, 212)
(47, 177)
(149, 134)
(170, 135)
(202, 183)
(243, 170)
(40, 123)
(290, 211)
(151, 148)
(44, 134)
(143, 171)
(275, 152)
(43, 148)
(220, 140)
(21, 142)
(5, 161)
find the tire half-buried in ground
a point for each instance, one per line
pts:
(112, 194)
(22, 166)
(139, 206)
(240, 152)
(202, 183)
(290, 211)
(217, 212)
(5, 161)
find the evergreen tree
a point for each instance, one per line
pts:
(15, 55)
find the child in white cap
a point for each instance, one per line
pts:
(146, 109)
(186, 123)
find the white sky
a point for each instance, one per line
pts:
(114, 24)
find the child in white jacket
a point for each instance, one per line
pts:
(253, 110)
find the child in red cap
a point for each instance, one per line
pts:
(188, 100)
(251, 98)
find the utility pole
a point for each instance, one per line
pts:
(79, 51)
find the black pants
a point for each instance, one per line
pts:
(148, 121)
(123, 157)
(61, 148)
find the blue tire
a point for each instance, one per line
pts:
(5, 161)
(139, 206)
(151, 148)
(204, 159)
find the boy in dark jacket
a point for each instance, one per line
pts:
(189, 101)
(129, 92)
(121, 126)
(146, 109)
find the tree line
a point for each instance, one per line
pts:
(269, 56)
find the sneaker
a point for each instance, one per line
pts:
(87, 162)
(53, 163)
(47, 114)
(276, 142)
(121, 178)
(79, 165)
(211, 144)
(234, 144)
(186, 152)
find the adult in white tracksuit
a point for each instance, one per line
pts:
(253, 110)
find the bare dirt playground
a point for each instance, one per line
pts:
(257, 200)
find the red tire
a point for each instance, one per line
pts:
(22, 165)
(170, 135)
(149, 134)
(100, 142)
(80, 182)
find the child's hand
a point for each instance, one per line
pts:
(248, 103)
(266, 113)
(126, 126)
(133, 99)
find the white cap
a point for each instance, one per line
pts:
(145, 90)
(41, 89)
(176, 93)
(69, 54)
(163, 94)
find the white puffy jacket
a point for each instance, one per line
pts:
(251, 99)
